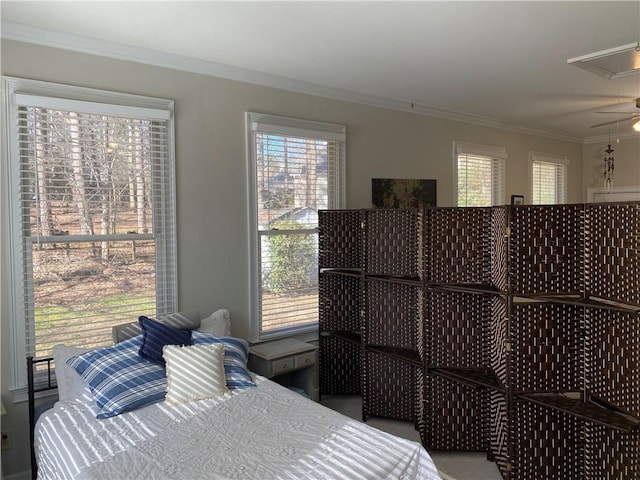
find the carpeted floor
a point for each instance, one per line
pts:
(452, 466)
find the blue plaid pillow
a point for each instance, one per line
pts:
(236, 354)
(119, 378)
(156, 335)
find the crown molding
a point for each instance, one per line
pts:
(607, 138)
(488, 122)
(82, 44)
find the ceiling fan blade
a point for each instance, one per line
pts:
(620, 113)
(634, 117)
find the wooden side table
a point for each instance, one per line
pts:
(289, 362)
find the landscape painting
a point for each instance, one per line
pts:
(408, 193)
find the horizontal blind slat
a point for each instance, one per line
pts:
(480, 180)
(295, 177)
(56, 147)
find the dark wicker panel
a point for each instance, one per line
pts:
(547, 347)
(392, 242)
(458, 329)
(423, 243)
(340, 237)
(498, 247)
(498, 431)
(458, 416)
(423, 419)
(613, 359)
(392, 314)
(389, 388)
(547, 249)
(462, 246)
(424, 320)
(613, 251)
(611, 454)
(587, 250)
(340, 367)
(548, 444)
(339, 302)
(498, 337)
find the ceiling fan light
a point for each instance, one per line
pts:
(636, 126)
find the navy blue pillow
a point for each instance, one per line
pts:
(156, 335)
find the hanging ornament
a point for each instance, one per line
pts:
(608, 167)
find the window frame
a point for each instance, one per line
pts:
(498, 156)
(292, 127)
(552, 159)
(106, 102)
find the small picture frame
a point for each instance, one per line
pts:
(517, 199)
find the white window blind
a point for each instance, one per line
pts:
(94, 217)
(295, 170)
(548, 179)
(479, 175)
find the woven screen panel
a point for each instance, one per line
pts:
(389, 388)
(391, 242)
(496, 344)
(613, 358)
(498, 431)
(547, 347)
(613, 251)
(459, 246)
(611, 454)
(547, 249)
(423, 243)
(497, 266)
(423, 322)
(424, 423)
(340, 238)
(339, 302)
(458, 417)
(458, 329)
(426, 410)
(548, 444)
(392, 314)
(340, 367)
(422, 413)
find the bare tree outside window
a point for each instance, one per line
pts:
(87, 215)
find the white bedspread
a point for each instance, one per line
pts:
(260, 433)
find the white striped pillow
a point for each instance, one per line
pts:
(194, 372)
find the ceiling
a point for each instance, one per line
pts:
(492, 63)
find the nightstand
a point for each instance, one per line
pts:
(289, 362)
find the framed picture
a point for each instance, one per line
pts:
(517, 199)
(396, 193)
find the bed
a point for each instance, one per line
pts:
(256, 430)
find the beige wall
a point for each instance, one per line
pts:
(627, 163)
(211, 172)
(387, 144)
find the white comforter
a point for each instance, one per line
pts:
(260, 433)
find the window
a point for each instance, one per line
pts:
(295, 169)
(548, 179)
(479, 176)
(92, 211)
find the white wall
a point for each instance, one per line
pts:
(211, 172)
